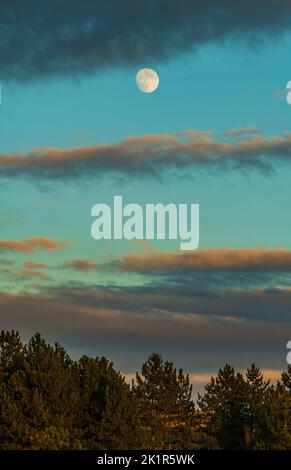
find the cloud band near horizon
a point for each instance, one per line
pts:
(115, 323)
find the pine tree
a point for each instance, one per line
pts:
(38, 396)
(286, 379)
(268, 413)
(224, 409)
(278, 434)
(108, 417)
(49, 401)
(258, 396)
(13, 427)
(164, 395)
(246, 413)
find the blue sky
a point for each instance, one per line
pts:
(219, 88)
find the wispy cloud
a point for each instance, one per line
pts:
(31, 273)
(80, 265)
(23, 274)
(32, 244)
(212, 258)
(204, 270)
(150, 155)
(244, 131)
(33, 265)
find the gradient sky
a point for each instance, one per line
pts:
(230, 301)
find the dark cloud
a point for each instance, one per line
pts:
(127, 324)
(272, 305)
(202, 330)
(40, 39)
(149, 155)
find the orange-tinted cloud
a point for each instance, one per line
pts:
(80, 265)
(31, 273)
(150, 155)
(32, 265)
(244, 131)
(213, 258)
(30, 245)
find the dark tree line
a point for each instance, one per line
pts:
(49, 401)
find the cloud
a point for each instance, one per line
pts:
(211, 269)
(31, 273)
(223, 283)
(56, 38)
(30, 245)
(32, 265)
(205, 259)
(80, 265)
(23, 274)
(227, 306)
(66, 313)
(6, 262)
(149, 155)
(244, 131)
(11, 221)
(80, 320)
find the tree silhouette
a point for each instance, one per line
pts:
(108, 415)
(49, 401)
(164, 395)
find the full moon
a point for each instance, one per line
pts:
(147, 80)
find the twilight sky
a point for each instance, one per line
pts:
(75, 131)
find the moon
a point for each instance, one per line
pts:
(147, 80)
